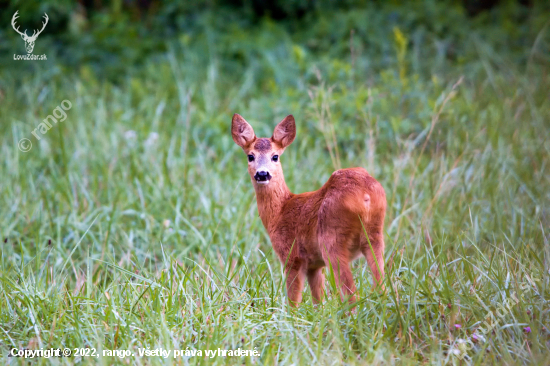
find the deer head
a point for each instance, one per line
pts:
(29, 41)
(263, 153)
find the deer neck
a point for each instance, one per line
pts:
(270, 199)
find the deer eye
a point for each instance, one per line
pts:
(250, 157)
(275, 158)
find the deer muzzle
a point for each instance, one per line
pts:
(262, 177)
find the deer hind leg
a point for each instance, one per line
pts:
(336, 231)
(295, 274)
(316, 280)
(344, 278)
(373, 250)
(339, 262)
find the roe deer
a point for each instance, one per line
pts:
(311, 230)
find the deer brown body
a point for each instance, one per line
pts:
(333, 225)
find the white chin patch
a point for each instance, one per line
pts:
(264, 182)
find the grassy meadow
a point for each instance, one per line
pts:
(133, 223)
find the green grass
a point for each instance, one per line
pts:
(121, 240)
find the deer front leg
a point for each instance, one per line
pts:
(316, 280)
(295, 274)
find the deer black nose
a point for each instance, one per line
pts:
(262, 176)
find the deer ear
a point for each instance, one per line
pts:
(285, 132)
(242, 132)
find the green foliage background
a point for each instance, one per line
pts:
(133, 222)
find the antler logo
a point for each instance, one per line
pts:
(29, 41)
